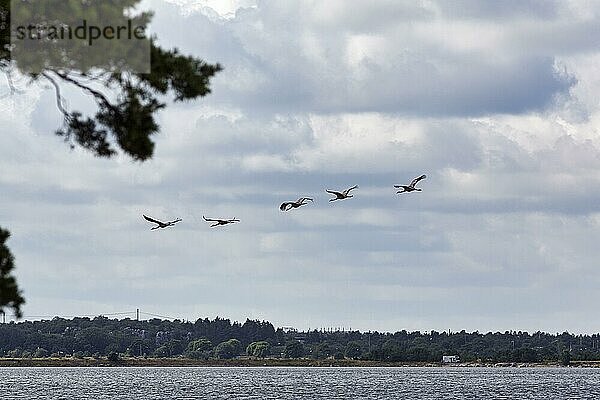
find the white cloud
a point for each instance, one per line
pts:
(320, 95)
(297, 57)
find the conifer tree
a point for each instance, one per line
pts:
(126, 102)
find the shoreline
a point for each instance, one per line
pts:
(188, 362)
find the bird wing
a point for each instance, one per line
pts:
(303, 199)
(152, 220)
(334, 192)
(349, 189)
(416, 180)
(175, 221)
(210, 219)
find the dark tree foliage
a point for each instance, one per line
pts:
(293, 349)
(221, 338)
(258, 349)
(229, 349)
(130, 119)
(10, 296)
(354, 349)
(199, 348)
(126, 103)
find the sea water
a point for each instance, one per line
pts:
(280, 383)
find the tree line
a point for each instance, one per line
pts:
(223, 339)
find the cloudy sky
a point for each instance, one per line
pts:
(497, 102)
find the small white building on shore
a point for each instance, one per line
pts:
(450, 359)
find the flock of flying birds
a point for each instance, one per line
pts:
(288, 205)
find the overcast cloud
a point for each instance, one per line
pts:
(495, 101)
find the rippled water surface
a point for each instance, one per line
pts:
(299, 383)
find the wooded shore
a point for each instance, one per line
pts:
(271, 362)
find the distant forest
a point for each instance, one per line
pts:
(220, 338)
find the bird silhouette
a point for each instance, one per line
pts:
(218, 222)
(288, 205)
(341, 195)
(411, 187)
(160, 224)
